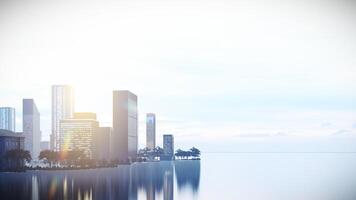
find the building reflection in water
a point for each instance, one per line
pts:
(124, 182)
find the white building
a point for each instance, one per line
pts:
(31, 128)
(62, 108)
(7, 118)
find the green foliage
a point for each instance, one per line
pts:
(193, 152)
(18, 156)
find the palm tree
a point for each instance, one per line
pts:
(158, 152)
(19, 156)
(143, 152)
(179, 153)
(49, 156)
(195, 152)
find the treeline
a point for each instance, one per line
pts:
(151, 154)
(14, 160)
(73, 159)
(192, 153)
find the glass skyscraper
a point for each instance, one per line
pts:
(7, 118)
(62, 108)
(150, 130)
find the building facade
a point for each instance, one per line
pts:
(31, 127)
(7, 118)
(9, 140)
(150, 130)
(102, 142)
(124, 140)
(168, 147)
(62, 108)
(45, 145)
(78, 134)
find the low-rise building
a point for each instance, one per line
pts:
(78, 134)
(102, 144)
(45, 145)
(9, 140)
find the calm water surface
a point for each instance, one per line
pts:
(292, 176)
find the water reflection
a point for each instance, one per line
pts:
(155, 179)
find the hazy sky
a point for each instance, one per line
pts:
(222, 75)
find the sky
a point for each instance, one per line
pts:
(220, 75)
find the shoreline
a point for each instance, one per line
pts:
(88, 168)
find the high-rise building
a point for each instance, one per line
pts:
(124, 137)
(168, 147)
(102, 143)
(78, 134)
(62, 108)
(150, 130)
(31, 127)
(7, 118)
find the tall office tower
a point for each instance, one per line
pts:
(150, 130)
(124, 137)
(62, 108)
(7, 118)
(102, 143)
(78, 134)
(168, 147)
(31, 127)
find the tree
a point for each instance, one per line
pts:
(195, 152)
(179, 153)
(49, 156)
(19, 156)
(143, 153)
(158, 152)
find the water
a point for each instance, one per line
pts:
(280, 176)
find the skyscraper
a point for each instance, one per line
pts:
(7, 118)
(62, 108)
(168, 147)
(31, 127)
(150, 130)
(78, 133)
(124, 137)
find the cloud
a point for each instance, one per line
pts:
(326, 125)
(354, 126)
(341, 132)
(253, 135)
(261, 135)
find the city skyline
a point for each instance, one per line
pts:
(212, 78)
(172, 99)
